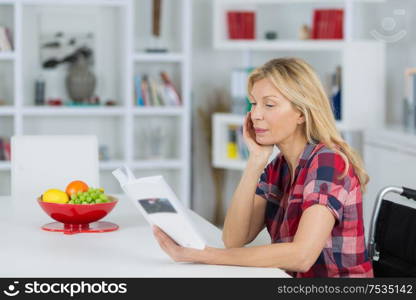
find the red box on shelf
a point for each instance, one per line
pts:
(328, 24)
(241, 25)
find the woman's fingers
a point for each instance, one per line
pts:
(167, 243)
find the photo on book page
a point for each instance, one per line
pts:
(157, 205)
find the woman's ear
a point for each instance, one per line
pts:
(301, 119)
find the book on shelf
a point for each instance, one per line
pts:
(409, 104)
(6, 43)
(328, 24)
(138, 95)
(5, 153)
(410, 81)
(236, 147)
(152, 92)
(336, 93)
(241, 144)
(240, 102)
(169, 89)
(241, 25)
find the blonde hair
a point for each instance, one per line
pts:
(297, 81)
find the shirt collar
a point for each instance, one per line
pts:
(304, 157)
(306, 153)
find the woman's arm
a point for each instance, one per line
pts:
(246, 212)
(314, 229)
(245, 216)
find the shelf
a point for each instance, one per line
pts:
(299, 1)
(7, 55)
(72, 111)
(233, 164)
(161, 111)
(158, 164)
(7, 2)
(111, 164)
(7, 110)
(104, 165)
(158, 57)
(76, 2)
(5, 165)
(310, 45)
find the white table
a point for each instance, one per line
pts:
(131, 251)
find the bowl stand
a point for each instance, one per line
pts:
(94, 227)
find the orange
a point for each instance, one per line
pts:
(75, 187)
(55, 196)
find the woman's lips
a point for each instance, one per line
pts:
(259, 130)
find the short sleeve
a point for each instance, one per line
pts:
(263, 186)
(267, 187)
(323, 185)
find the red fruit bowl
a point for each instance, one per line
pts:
(77, 218)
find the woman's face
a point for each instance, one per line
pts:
(274, 117)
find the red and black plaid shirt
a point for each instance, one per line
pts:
(316, 182)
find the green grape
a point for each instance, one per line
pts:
(73, 196)
(103, 197)
(88, 199)
(71, 201)
(90, 189)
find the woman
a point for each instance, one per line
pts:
(309, 197)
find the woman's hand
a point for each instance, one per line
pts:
(177, 252)
(256, 150)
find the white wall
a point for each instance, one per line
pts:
(211, 70)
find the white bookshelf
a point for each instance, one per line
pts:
(147, 57)
(362, 60)
(7, 55)
(115, 23)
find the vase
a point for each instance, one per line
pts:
(80, 81)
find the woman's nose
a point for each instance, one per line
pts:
(256, 112)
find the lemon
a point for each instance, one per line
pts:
(55, 196)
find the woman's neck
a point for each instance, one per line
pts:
(292, 149)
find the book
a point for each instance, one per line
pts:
(241, 24)
(240, 102)
(153, 92)
(232, 25)
(249, 25)
(145, 90)
(2, 156)
(328, 24)
(242, 147)
(138, 90)
(336, 93)
(410, 81)
(5, 44)
(158, 204)
(7, 149)
(9, 37)
(170, 90)
(232, 150)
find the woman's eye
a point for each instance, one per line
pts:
(253, 103)
(269, 105)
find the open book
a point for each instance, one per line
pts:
(159, 205)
